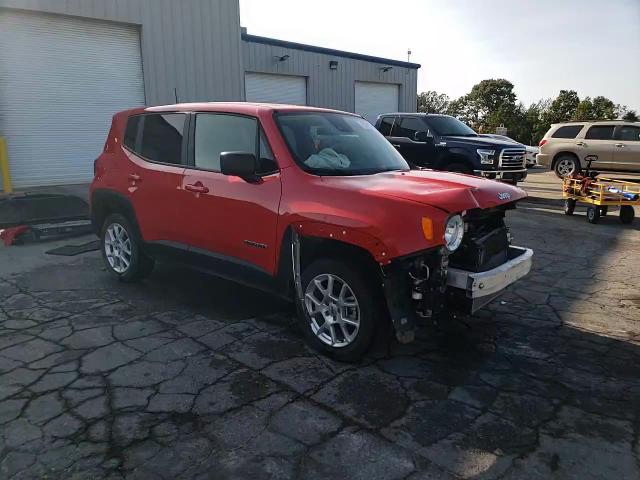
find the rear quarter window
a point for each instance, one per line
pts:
(568, 131)
(131, 132)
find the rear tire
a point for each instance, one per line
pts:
(569, 206)
(339, 318)
(593, 214)
(566, 165)
(121, 250)
(627, 214)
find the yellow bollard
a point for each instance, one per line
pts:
(4, 167)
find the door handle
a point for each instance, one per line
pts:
(135, 177)
(197, 188)
(620, 145)
(395, 145)
(581, 144)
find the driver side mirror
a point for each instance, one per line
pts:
(240, 164)
(423, 137)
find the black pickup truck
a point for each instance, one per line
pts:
(443, 142)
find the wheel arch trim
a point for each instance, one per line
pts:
(104, 202)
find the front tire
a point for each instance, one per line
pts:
(340, 315)
(569, 206)
(121, 250)
(566, 165)
(627, 214)
(593, 214)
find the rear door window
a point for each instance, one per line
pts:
(409, 126)
(568, 131)
(162, 136)
(600, 132)
(628, 133)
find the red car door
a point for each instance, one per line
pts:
(236, 220)
(155, 172)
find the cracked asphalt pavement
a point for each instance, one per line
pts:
(188, 376)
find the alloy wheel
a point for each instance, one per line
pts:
(117, 248)
(566, 167)
(333, 310)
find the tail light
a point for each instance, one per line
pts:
(542, 142)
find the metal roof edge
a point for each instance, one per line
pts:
(328, 51)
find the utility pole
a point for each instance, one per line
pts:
(408, 55)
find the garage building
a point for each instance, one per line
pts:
(67, 66)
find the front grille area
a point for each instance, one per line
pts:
(512, 158)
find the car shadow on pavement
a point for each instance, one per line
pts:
(190, 376)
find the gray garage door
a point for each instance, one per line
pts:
(372, 99)
(61, 81)
(270, 88)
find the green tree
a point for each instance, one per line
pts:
(630, 116)
(464, 110)
(536, 114)
(493, 95)
(433, 102)
(563, 108)
(488, 105)
(604, 109)
(585, 110)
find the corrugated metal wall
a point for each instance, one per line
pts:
(329, 88)
(192, 45)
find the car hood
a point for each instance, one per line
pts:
(450, 192)
(481, 142)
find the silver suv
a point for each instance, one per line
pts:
(615, 142)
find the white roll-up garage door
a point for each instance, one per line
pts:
(270, 88)
(61, 81)
(372, 99)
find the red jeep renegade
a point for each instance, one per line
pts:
(313, 205)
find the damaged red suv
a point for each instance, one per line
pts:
(310, 204)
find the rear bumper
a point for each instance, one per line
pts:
(544, 159)
(509, 175)
(480, 288)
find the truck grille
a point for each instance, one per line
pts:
(512, 158)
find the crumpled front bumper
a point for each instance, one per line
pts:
(479, 288)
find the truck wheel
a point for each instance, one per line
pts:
(459, 168)
(593, 214)
(627, 214)
(566, 165)
(340, 317)
(121, 251)
(569, 206)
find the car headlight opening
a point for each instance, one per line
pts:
(486, 156)
(453, 232)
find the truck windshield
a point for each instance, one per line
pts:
(446, 125)
(337, 144)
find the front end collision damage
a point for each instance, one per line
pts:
(423, 286)
(414, 288)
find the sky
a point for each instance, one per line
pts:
(541, 46)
